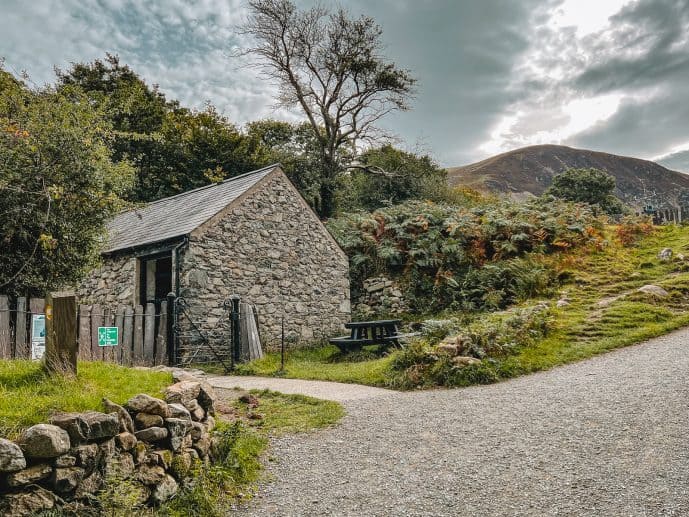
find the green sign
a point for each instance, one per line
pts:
(108, 336)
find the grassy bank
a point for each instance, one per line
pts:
(28, 396)
(604, 312)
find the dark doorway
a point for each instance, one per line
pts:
(155, 278)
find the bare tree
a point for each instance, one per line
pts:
(330, 66)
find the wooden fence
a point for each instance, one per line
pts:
(142, 337)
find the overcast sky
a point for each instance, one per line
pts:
(607, 75)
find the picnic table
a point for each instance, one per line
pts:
(379, 332)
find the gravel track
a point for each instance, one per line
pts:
(606, 436)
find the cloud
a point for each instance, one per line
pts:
(678, 161)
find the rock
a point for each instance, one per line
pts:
(143, 403)
(152, 434)
(448, 349)
(89, 486)
(44, 441)
(151, 474)
(680, 257)
(209, 423)
(32, 502)
(253, 415)
(165, 490)
(125, 441)
(654, 290)
(562, 303)
(66, 460)
(203, 445)
(87, 456)
(379, 286)
(101, 425)
(181, 465)
(196, 411)
(197, 430)
(178, 428)
(74, 424)
(66, 480)
(29, 475)
(11, 457)
(665, 254)
(107, 450)
(182, 392)
(126, 422)
(464, 361)
(179, 411)
(145, 420)
(161, 457)
(121, 466)
(140, 452)
(207, 398)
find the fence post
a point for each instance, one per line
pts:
(171, 322)
(5, 334)
(61, 345)
(21, 348)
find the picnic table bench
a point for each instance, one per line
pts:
(380, 332)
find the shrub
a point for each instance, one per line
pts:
(450, 257)
(631, 229)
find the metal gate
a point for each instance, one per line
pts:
(227, 339)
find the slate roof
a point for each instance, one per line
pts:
(178, 215)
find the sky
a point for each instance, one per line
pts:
(494, 75)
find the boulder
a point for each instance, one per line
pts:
(562, 303)
(11, 457)
(151, 474)
(74, 424)
(121, 466)
(125, 441)
(207, 398)
(196, 411)
(665, 254)
(66, 460)
(31, 502)
(143, 403)
(101, 425)
(29, 475)
(178, 428)
(66, 480)
(44, 441)
(164, 490)
(182, 392)
(145, 420)
(161, 457)
(197, 430)
(87, 456)
(89, 486)
(152, 434)
(653, 290)
(462, 361)
(126, 422)
(179, 411)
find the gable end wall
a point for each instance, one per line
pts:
(271, 249)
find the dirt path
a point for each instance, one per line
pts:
(607, 436)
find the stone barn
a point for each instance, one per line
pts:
(252, 235)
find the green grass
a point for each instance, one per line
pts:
(292, 413)
(580, 330)
(28, 395)
(324, 363)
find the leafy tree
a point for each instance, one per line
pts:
(58, 185)
(591, 186)
(410, 176)
(173, 149)
(331, 67)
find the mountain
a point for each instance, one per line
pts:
(530, 170)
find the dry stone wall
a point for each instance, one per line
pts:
(272, 250)
(112, 283)
(149, 442)
(380, 296)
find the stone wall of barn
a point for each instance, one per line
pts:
(113, 283)
(272, 250)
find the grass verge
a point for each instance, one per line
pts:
(28, 395)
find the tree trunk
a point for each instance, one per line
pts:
(327, 201)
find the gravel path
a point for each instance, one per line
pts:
(607, 436)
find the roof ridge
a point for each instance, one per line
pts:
(228, 180)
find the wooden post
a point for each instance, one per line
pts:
(119, 323)
(21, 343)
(138, 351)
(85, 332)
(127, 335)
(5, 334)
(61, 345)
(96, 321)
(149, 333)
(161, 338)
